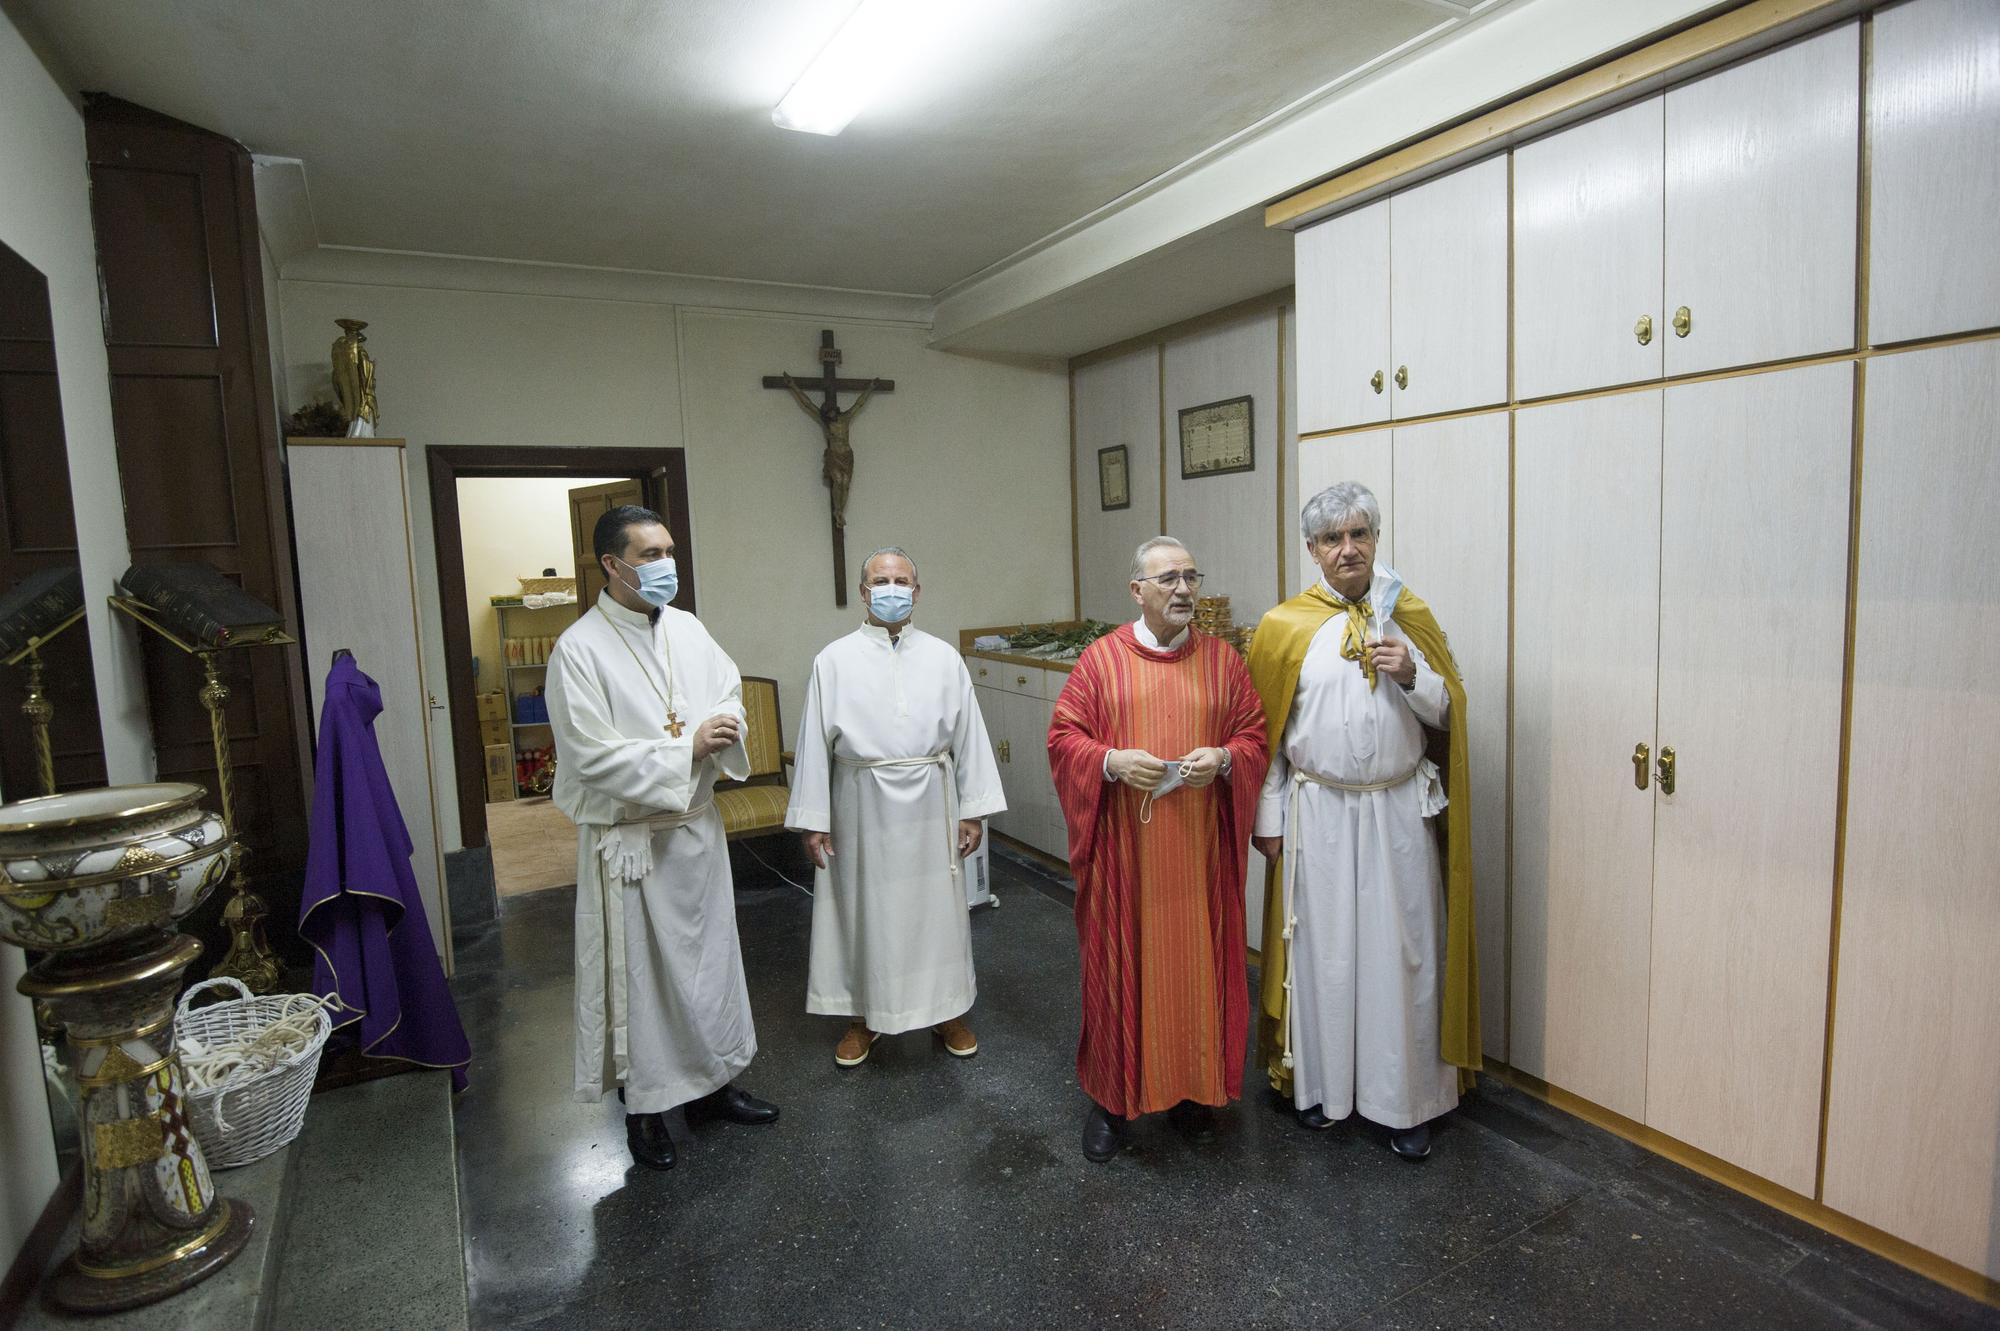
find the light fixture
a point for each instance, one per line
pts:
(877, 39)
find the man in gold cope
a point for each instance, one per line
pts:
(1370, 984)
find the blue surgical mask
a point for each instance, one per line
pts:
(659, 581)
(892, 604)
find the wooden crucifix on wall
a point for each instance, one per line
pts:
(837, 461)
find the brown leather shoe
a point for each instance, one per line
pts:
(854, 1046)
(958, 1038)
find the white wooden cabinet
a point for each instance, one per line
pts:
(357, 590)
(1753, 617)
(1762, 169)
(1913, 1111)
(1587, 240)
(1343, 287)
(1451, 513)
(1934, 153)
(1586, 620)
(1448, 292)
(1018, 701)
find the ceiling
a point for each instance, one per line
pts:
(636, 134)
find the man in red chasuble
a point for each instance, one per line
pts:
(1158, 753)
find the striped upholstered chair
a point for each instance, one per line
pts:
(757, 807)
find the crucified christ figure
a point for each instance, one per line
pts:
(837, 463)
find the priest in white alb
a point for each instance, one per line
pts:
(647, 711)
(1370, 986)
(894, 773)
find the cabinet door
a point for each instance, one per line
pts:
(1050, 833)
(1934, 158)
(1342, 277)
(1451, 519)
(1586, 620)
(1753, 624)
(1587, 238)
(1448, 291)
(1761, 175)
(1913, 1113)
(1362, 457)
(996, 706)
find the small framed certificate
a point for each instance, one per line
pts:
(1216, 439)
(1114, 482)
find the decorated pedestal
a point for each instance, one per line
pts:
(96, 880)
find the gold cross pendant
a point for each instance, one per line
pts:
(673, 726)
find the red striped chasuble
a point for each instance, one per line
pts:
(1159, 904)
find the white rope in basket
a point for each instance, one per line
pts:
(261, 1054)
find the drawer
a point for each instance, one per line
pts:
(1006, 676)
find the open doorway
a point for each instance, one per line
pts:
(538, 516)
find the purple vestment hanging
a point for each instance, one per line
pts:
(360, 910)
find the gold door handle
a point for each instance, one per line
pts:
(1006, 751)
(1643, 330)
(1375, 381)
(1683, 321)
(1640, 756)
(1666, 771)
(1402, 376)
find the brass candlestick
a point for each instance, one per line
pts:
(249, 958)
(36, 706)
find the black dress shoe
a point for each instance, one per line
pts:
(1314, 1118)
(646, 1135)
(1103, 1134)
(1196, 1122)
(1412, 1143)
(733, 1106)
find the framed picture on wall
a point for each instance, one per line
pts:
(1114, 481)
(1216, 439)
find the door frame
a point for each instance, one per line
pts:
(662, 475)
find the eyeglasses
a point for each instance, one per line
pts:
(1168, 581)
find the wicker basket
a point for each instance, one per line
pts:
(532, 586)
(250, 1114)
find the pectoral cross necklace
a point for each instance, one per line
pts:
(674, 725)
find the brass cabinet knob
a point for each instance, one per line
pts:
(1020, 679)
(1006, 751)
(982, 672)
(1641, 755)
(1666, 766)
(1643, 330)
(1402, 376)
(1683, 321)
(1375, 381)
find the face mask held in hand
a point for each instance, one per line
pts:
(659, 582)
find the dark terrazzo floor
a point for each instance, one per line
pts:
(924, 1191)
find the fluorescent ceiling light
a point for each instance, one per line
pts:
(877, 40)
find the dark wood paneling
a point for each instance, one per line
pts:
(37, 531)
(192, 409)
(662, 472)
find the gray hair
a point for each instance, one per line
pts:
(1147, 547)
(1335, 504)
(889, 550)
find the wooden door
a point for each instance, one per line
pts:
(1367, 458)
(1448, 291)
(1934, 159)
(1343, 295)
(586, 506)
(1587, 238)
(1586, 619)
(1753, 622)
(1761, 178)
(1451, 520)
(1913, 1113)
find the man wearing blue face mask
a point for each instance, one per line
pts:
(647, 711)
(894, 772)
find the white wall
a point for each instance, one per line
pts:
(1229, 522)
(512, 527)
(45, 218)
(963, 464)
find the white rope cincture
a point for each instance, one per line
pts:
(237, 1059)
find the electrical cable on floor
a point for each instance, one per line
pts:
(745, 847)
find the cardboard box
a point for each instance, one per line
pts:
(492, 707)
(492, 732)
(499, 773)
